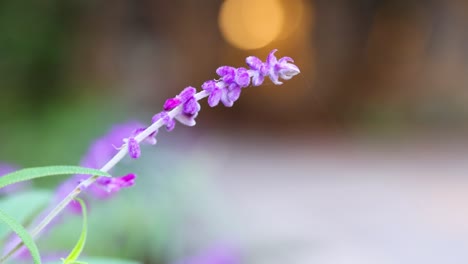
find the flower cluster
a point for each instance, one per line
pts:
(184, 107)
(228, 88)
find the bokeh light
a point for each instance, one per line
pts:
(294, 16)
(251, 24)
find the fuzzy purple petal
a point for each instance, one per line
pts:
(234, 93)
(170, 125)
(158, 116)
(209, 86)
(168, 121)
(151, 139)
(288, 70)
(254, 62)
(171, 103)
(274, 77)
(116, 183)
(215, 96)
(228, 73)
(191, 106)
(242, 77)
(257, 79)
(133, 148)
(186, 120)
(271, 59)
(285, 60)
(254, 75)
(187, 93)
(225, 98)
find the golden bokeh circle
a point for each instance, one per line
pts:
(251, 24)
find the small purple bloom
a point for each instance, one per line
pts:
(254, 63)
(170, 123)
(181, 98)
(215, 92)
(281, 68)
(227, 73)
(242, 77)
(258, 70)
(114, 184)
(133, 148)
(287, 70)
(171, 103)
(104, 148)
(221, 91)
(187, 93)
(234, 92)
(190, 108)
(228, 88)
(99, 153)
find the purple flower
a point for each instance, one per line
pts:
(242, 77)
(228, 88)
(104, 148)
(101, 151)
(258, 70)
(282, 68)
(114, 184)
(230, 75)
(190, 106)
(168, 121)
(172, 103)
(227, 73)
(273, 68)
(220, 91)
(215, 91)
(133, 148)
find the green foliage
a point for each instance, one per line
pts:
(22, 206)
(23, 234)
(75, 253)
(39, 172)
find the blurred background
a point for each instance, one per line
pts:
(359, 159)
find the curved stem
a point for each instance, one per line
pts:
(106, 168)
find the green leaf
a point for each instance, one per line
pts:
(75, 253)
(39, 172)
(23, 234)
(23, 206)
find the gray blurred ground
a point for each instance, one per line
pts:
(330, 201)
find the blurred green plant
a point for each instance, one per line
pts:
(76, 252)
(23, 234)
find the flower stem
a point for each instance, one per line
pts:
(86, 183)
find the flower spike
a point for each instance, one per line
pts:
(184, 107)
